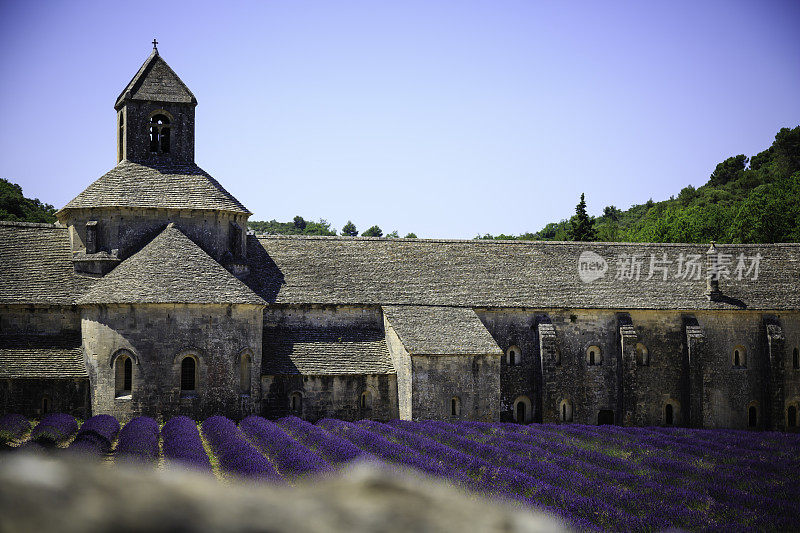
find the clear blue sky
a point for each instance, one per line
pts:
(445, 118)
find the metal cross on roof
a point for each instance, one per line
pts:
(155, 43)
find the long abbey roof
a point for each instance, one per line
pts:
(36, 268)
(521, 274)
(175, 186)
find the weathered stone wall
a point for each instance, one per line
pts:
(402, 365)
(136, 123)
(791, 330)
(335, 396)
(38, 320)
(158, 336)
(638, 393)
(331, 396)
(728, 391)
(128, 230)
(515, 327)
(473, 379)
(25, 396)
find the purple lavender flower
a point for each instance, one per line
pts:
(182, 443)
(12, 427)
(332, 448)
(96, 435)
(235, 454)
(54, 429)
(138, 440)
(292, 459)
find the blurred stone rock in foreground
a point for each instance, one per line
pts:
(46, 494)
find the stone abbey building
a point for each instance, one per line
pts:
(148, 296)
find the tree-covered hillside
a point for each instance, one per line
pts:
(746, 200)
(16, 208)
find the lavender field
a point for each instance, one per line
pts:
(597, 478)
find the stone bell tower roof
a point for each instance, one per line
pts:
(156, 82)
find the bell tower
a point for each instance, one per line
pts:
(155, 116)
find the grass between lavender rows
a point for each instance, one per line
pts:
(608, 477)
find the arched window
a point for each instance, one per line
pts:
(796, 359)
(121, 147)
(669, 417)
(245, 365)
(159, 134)
(365, 402)
(123, 375)
(513, 356)
(642, 355)
(188, 374)
(565, 411)
(752, 416)
(45, 404)
(791, 417)
(594, 356)
(296, 403)
(455, 406)
(739, 357)
(522, 410)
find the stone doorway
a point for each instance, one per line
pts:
(605, 417)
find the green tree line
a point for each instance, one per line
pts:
(745, 200)
(14, 206)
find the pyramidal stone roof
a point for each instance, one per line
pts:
(157, 82)
(174, 186)
(170, 269)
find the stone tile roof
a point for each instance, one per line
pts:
(325, 351)
(440, 330)
(170, 269)
(341, 270)
(156, 81)
(36, 265)
(37, 356)
(175, 186)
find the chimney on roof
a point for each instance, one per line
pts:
(712, 274)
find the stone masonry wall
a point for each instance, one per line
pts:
(402, 365)
(38, 320)
(136, 118)
(128, 230)
(25, 396)
(513, 327)
(331, 396)
(158, 336)
(473, 379)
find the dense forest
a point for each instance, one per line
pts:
(746, 200)
(16, 208)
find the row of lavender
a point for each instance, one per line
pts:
(595, 477)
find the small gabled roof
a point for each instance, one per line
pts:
(319, 350)
(173, 186)
(42, 356)
(425, 330)
(171, 269)
(156, 82)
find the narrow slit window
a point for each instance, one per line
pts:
(188, 374)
